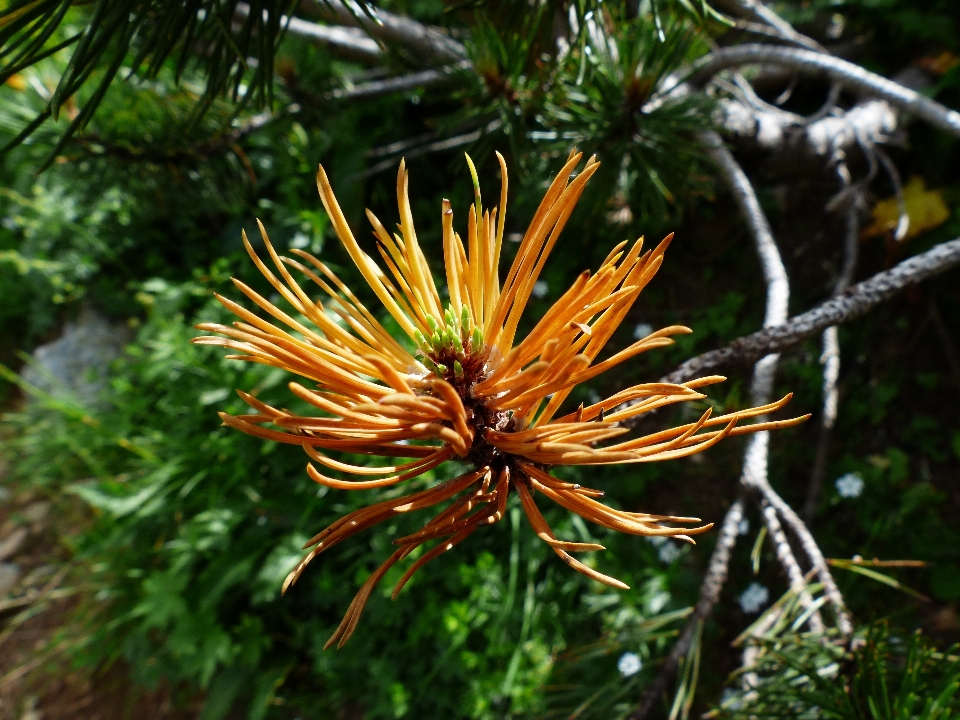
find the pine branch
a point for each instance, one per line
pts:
(188, 154)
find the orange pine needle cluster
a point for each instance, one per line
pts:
(459, 385)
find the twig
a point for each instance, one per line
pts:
(437, 146)
(758, 12)
(401, 83)
(756, 456)
(830, 358)
(352, 42)
(841, 71)
(766, 31)
(400, 146)
(829, 105)
(774, 274)
(903, 221)
(853, 303)
(426, 45)
(814, 554)
(789, 562)
(713, 582)
(26, 614)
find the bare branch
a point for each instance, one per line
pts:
(352, 42)
(903, 222)
(426, 45)
(410, 152)
(754, 475)
(809, 139)
(756, 457)
(710, 589)
(846, 73)
(400, 83)
(813, 553)
(763, 15)
(348, 41)
(853, 303)
(830, 357)
(789, 562)
(774, 274)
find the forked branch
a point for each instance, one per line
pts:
(846, 73)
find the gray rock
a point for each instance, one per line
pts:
(76, 364)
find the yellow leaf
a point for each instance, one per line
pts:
(925, 208)
(17, 81)
(939, 64)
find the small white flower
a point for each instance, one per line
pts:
(743, 527)
(668, 552)
(642, 330)
(629, 664)
(300, 240)
(730, 700)
(540, 288)
(754, 598)
(850, 485)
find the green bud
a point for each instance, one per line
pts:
(441, 369)
(449, 337)
(432, 322)
(464, 317)
(477, 339)
(429, 365)
(457, 345)
(420, 340)
(457, 368)
(448, 316)
(436, 340)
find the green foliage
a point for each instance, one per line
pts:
(197, 525)
(101, 37)
(616, 98)
(193, 527)
(884, 675)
